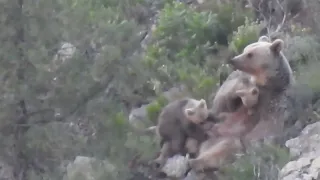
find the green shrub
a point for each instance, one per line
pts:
(154, 109)
(265, 162)
(302, 50)
(309, 75)
(184, 48)
(142, 144)
(246, 34)
(183, 34)
(198, 81)
(229, 19)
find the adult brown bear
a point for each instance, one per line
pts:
(266, 63)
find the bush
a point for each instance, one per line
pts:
(154, 109)
(185, 47)
(246, 34)
(228, 19)
(302, 50)
(183, 34)
(309, 75)
(263, 163)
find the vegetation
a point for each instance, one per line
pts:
(72, 70)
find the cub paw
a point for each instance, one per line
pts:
(158, 163)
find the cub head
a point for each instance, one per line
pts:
(249, 96)
(198, 112)
(260, 59)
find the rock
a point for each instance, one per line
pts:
(65, 52)
(306, 149)
(191, 176)
(138, 117)
(295, 166)
(88, 168)
(305, 144)
(176, 166)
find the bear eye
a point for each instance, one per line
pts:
(254, 92)
(249, 55)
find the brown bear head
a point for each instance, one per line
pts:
(260, 59)
(197, 112)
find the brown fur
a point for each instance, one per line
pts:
(236, 124)
(192, 147)
(214, 153)
(227, 137)
(229, 96)
(178, 121)
(266, 63)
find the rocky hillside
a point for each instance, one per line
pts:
(81, 80)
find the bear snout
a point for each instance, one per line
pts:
(234, 63)
(231, 61)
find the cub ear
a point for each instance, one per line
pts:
(240, 93)
(202, 103)
(263, 39)
(277, 45)
(189, 112)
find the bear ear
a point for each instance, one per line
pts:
(277, 45)
(189, 112)
(263, 39)
(202, 103)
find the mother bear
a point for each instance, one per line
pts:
(266, 63)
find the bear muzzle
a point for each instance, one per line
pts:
(231, 61)
(238, 63)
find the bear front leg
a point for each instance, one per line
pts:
(177, 143)
(165, 153)
(192, 146)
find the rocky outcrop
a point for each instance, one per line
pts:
(65, 52)
(305, 149)
(176, 166)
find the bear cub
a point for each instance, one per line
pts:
(233, 93)
(178, 121)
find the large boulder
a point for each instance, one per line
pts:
(305, 149)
